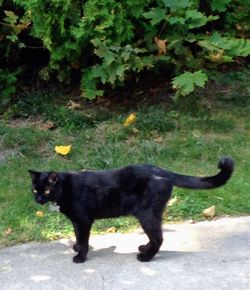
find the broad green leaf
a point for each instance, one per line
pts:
(12, 37)
(125, 55)
(197, 19)
(176, 20)
(177, 4)
(219, 5)
(92, 94)
(120, 71)
(185, 83)
(109, 57)
(156, 15)
(232, 46)
(199, 78)
(101, 51)
(11, 17)
(99, 72)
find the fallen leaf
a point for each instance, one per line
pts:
(40, 214)
(135, 131)
(172, 201)
(75, 65)
(209, 212)
(158, 140)
(238, 26)
(8, 231)
(73, 105)
(218, 57)
(48, 125)
(161, 45)
(130, 120)
(111, 230)
(63, 150)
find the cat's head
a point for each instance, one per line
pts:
(45, 186)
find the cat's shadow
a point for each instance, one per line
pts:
(107, 253)
(112, 252)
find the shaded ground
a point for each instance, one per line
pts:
(206, 255)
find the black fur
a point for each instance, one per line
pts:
(138, 190)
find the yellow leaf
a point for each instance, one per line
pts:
(209, 212)
(216, 57)
(130, 120)
(111, 230)
(40, 214)
(8, 231)
(161, 45)
(63, 150)
(173, 201)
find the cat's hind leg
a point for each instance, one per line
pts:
(152, 227)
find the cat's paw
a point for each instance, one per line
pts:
(79, 259)
(76, 248)
(143, 248)
(143, 257)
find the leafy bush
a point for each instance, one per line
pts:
(7, 86)
(11, 25)
(108, 41)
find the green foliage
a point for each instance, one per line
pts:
(186, 83)
(11, 25)
(116, 61)
(231, 46)
(7, 86)
(109, 41)
(220, 5)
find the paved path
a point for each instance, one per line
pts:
(202, 256)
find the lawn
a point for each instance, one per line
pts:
(183, 138)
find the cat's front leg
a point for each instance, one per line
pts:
(82, 231)
(76, 245)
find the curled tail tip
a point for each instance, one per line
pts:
(226, 164)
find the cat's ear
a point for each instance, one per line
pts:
(34, 174)
(53, 178)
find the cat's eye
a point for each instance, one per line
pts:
(47, 192)
(35, 191)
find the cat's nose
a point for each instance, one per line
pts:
(39, 199)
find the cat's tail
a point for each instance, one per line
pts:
(226, 166)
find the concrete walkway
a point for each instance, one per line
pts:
(206, 255)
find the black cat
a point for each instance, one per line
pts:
(138, 190)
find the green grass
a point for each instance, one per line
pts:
(190, 142)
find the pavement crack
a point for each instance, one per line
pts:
(103, 282)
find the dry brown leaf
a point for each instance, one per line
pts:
(158, 140)
(73, 105)
(47, 125)
(75, 65)
(209, 212)
(111, 230)
(161, 45)
(135, 131)
(8, 231)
